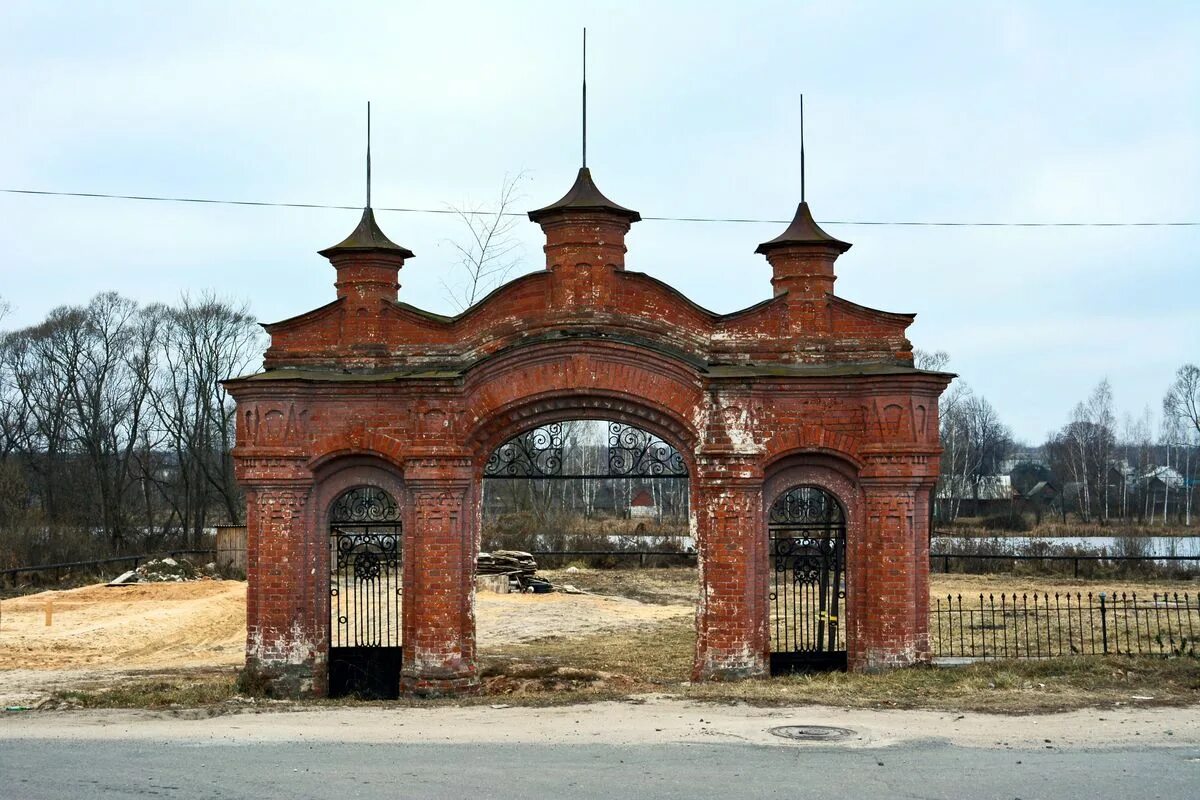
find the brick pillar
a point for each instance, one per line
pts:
(891, 603)
(731, 539)
(439, 571)
(285, 645)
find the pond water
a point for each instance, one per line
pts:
(1101, 545)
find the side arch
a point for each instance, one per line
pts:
(812, 440)
(837, 476)
(332, 449)
(335, 475)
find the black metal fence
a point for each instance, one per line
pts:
(1046, 625)
(1077, 565)
(550, 559)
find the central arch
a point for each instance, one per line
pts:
(567, 482)
(634, 447)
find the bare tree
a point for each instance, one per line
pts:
(204, 341)
(1100, 413)
(1183, 398)
(116, 360)
(934, 361)
(974, 443)
(491, 250)
(42, 362)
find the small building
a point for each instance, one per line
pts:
(642, 506)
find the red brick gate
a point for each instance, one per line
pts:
(804, 388)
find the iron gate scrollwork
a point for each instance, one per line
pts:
(365, 594)
(807, 528)
(631, 453)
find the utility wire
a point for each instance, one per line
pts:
(906, 223)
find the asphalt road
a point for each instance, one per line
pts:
(53, 769)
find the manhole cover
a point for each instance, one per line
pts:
(812, 733)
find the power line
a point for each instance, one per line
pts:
(738, 220)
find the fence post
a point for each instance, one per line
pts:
(1103, 623)
(945, 565)
(1076, 566)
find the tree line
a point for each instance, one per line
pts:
(115, 432)
(1143, 468)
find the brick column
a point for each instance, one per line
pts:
(285, 645)
(891, 605)
(439, 571)
(731, 539)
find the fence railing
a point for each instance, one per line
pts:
(943, 560)
(133, 560)
(1046, 625)
(936, 560)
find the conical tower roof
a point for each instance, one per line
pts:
(584, 196)
(367, 237)
(803, 230)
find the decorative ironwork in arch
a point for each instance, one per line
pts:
(807, 529)
(630, 453)
(365, 505)
(805, 506)
(366, 589)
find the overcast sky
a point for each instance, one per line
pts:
(1076, 112)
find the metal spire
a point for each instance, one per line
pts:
(368, 154)
(585, 97)
(801, 147)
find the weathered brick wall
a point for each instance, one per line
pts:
(802, 388)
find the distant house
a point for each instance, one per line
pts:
(642, 505)
(1023, 458)
(1040, 498)
(991, 494)
(1158, 479)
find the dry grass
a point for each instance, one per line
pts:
(166, 690)
(974, 585)
(1011, 687)
(659, 660)
(661, 586)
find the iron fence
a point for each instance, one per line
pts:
(964, 561)
(1064, 624)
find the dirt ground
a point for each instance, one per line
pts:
(97, 631)
(629, 623)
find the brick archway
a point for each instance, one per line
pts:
(804, 385)
(838, 476)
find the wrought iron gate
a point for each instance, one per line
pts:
(807, 529)
(365, 594)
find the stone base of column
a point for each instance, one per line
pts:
(278, 680)
(729, 667)
(432, 685)
(884, 659)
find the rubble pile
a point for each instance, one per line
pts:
(167, 570)
(519, 566)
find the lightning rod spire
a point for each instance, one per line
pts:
(368, 154)
(585, 97)
(802, 148)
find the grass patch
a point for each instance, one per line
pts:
(659, 660)
(1009, 687)
(164, 691)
